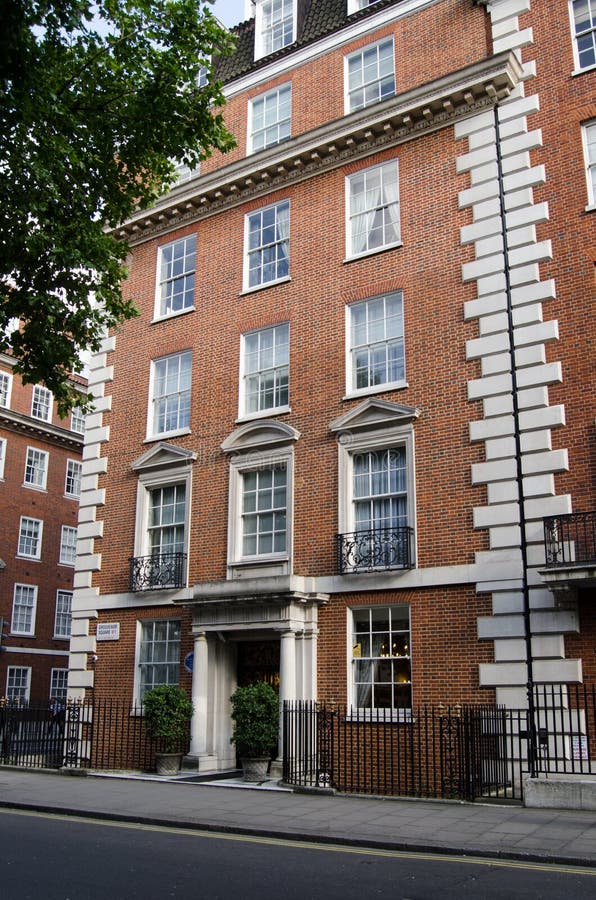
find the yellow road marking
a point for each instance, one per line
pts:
(312, 845)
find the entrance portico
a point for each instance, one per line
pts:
(225, 614)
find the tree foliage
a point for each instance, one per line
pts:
(97, 99)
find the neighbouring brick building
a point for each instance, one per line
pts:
(40, 483)
(365, 336)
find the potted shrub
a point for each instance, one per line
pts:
(168, 712)
(255, 712)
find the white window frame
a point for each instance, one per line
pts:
(166, 279)
(397, 648)
(241, 465)
(356, 5)
(5, 389)
(377, 81)
(77, 421)
(182, 395)
(382, 343)
(148, 482)
(29, 605)
(589, 31)
(25, 688)
(68, 545)
(3, 446)
(185, 173)
(72, 479)
(262, 247)
(266, 40)
(41, 403)
(138, 681)
(369, 441)
(63, 615)
(35, 539)
(59, 685)
(389, 173)
(36, 469)
(281, 127)
(589, 144)
(261, 371)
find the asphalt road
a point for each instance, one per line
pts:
(57, 857)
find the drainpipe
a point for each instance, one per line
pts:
(531, 735)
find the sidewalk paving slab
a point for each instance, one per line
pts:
(499, 831)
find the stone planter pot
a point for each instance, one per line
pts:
(168, 763)
(255, 770)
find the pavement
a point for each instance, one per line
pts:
(559, 836)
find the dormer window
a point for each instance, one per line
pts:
(355, 5)
(275, 26)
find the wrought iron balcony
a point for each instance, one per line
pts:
(379, 548)
(157, 572)
(570, 540)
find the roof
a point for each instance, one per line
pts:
(316, 19)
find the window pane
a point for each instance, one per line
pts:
(177, 265)
(268, 244)
(171, 392)
(159, 654)
(381, 668)
(377, 351)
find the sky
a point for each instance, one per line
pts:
(229, 12)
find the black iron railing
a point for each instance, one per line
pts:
(158, 571)
(379, 548)
(94, 734)
(32, 734)
(566, 728)
(458, 752)
(570, 540)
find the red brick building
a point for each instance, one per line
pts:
(40, 484)
(362, 376)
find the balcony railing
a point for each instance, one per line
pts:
(157, 572)
(570, 540)
(379, 548)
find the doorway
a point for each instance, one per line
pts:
(258, 661)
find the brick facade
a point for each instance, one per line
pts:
(41, 650)
(462, 71)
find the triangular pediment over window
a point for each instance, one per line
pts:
(374, 414)
(259, 435)
(163, 456)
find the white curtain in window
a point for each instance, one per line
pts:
(391, 199)
(283, 236)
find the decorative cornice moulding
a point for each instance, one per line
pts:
(428, 107)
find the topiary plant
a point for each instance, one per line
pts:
(255, 711)
(168, 712)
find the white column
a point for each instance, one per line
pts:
(287, 666)
(198, 726)
(287, 686)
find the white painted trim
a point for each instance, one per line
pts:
(245, 462)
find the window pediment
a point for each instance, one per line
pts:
(258, 435)
(163, 456)
(374, 413)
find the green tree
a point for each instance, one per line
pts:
(97, 99)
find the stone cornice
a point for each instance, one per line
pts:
(43, 431)
(428, 107)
